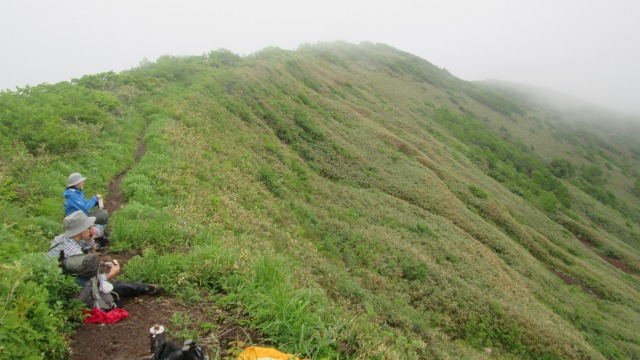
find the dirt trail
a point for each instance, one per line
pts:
(115, 198)
(129, 338)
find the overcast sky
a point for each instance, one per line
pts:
(586, 48)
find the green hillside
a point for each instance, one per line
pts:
(355, 201)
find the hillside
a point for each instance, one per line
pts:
(351, 201)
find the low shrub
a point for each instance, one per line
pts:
(36, 314)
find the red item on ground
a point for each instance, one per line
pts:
(98, 316)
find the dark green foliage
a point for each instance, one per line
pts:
(593, 174)
(413, 270)
(33, 312)
(509, 163)
(562, 168)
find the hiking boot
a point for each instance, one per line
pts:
(152, 289)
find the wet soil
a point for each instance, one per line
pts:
(129, 337)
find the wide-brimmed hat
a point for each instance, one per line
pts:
(75, 179)
(77, 222)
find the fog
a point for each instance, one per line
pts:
(586, 48)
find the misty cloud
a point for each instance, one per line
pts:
(586, 49)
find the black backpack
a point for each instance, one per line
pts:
(189, 351)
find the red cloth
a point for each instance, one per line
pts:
(98, 316)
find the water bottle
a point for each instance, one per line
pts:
(156, 337)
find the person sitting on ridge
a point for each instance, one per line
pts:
(78, 233)
(75, 200)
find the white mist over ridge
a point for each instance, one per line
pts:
(575, 47)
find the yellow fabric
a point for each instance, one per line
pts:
(262, 353)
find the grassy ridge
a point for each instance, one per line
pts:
(359, 202)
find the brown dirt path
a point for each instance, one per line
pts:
(115, 198)
(129, 338)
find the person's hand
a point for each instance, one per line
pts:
(115, 269)
(99, 196)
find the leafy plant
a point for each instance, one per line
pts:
(34, 313)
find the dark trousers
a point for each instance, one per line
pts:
(101, 215)
(127, 289)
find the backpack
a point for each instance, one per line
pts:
(94, 298)
(189, 351)
(87, 267)
(83, 266)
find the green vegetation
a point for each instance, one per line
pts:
(355, 201)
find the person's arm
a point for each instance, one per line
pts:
(76, 200)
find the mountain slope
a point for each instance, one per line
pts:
(441, 215)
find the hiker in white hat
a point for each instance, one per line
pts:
(77, 239)
(75, 200)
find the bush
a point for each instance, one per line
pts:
(593, 175)
(562, 168)
(35, 313)
(412, 270)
